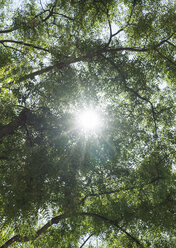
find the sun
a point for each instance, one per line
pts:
(89, 121)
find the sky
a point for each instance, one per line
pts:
(17, 3)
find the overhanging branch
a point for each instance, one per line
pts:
(68, 61)
(57, 219)
(18, 238)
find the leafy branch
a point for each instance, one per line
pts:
(18, 238)
(51, 11)
(120, 190)
(57, 219)
(133, 91)
(69, 60)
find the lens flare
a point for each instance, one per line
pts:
(89, 120)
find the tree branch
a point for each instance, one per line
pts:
(119, 190)
(133, 91)
(18, 238)
(116, 33)
(113, 223)
(69, 61)
(163, 41)
(13, 48)
(110, 29)
(7, 31)
(67, 17)
(50, 14)
(170, 43)
(166, 58)
(24, 44)
(43, 20)
(86, 240)
(58, 218)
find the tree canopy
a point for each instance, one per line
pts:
(114, 187)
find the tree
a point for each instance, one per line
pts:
(60, 187)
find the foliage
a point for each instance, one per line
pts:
(58, 186)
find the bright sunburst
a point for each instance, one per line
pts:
(88, 121)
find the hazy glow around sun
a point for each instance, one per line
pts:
(88, 120)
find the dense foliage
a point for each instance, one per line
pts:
(58, 186)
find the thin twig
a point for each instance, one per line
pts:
(41, 4)
(67, 17)
(13, 48)
(166, 58)
(170, 43)
(116, 33)
(24, 44)
(110, 29)
(86, 240)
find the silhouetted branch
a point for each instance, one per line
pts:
(24, 44)
(116, 33)
(50, 14)
(69, 61)
(170, 43)
(164, 40)
(7, 31)
(166, 58)
(86, 240)
(113, 223)
(13, 48)
(57, 219)
(67, 17)
(18, 238)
